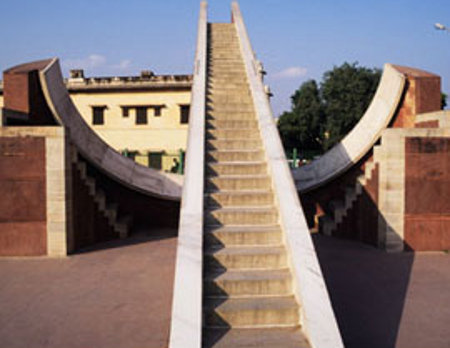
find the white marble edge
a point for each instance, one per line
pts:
(360, 139)
(317, 315)
(442, 116)
(187, 319)
(101, 155)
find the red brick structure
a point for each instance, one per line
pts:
(427, 188)
(23, 192)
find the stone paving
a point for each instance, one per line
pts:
(121, 296)
(114, 297)
(385, 299)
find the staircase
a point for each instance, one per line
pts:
(120, 224)
(339, 208)
(248, 293)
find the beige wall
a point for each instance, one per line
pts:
(1, 101)
(160, 133)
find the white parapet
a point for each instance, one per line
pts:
(186, 323)
(318, 320)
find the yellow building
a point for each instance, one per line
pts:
(145, 117)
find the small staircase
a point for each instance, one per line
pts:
(339, 208)
(248, 292)
(120, 224)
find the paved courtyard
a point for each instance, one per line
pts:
(386, 300)
(119, 295)
(114, 297)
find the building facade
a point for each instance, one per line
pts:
(144, 117)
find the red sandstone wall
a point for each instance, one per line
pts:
(422, 94)
(428, 124)
(15, 92)
(23, 196)
(427, 190)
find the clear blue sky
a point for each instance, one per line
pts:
(296, 40)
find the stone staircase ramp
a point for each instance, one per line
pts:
(247, 281)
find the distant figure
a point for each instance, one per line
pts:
(174, 168)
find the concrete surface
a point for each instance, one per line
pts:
(115, 297)
(386, 300)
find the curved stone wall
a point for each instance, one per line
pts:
(361, 138)
(100, 154)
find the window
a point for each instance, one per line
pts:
(98, 113)
(157, 110)
(125, 111)
(141, 115)
(184, 114)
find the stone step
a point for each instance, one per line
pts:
(230, 134)
(235, 144)
(230, 56)
(234, 283)
(237, 168)
(217, 115)
(245, 257)
(230, 97)
(221, 90)
(335, 204)
(291, 337)
(100, 199)
(258, 215)
(111, 212)
(227, 77)
(217, 92)
(240, 198)
(230, 61)
(214, 69)
(281, 311)
(234, 155)
(227, 87)
(223, 47)
(243, 235)
(225, 35)
(245, 101)
(238, 182)
(238, 124)
(326, 225)
(123, 226)
(221, 63)
(231, 46)
(230, 107)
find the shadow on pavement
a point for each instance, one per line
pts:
(138, 237)
(367, 287)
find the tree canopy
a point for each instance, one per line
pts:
(321, 116)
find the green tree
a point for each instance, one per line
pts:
(302, 127)
(443, 100)
(321, 117)
(346, 93)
